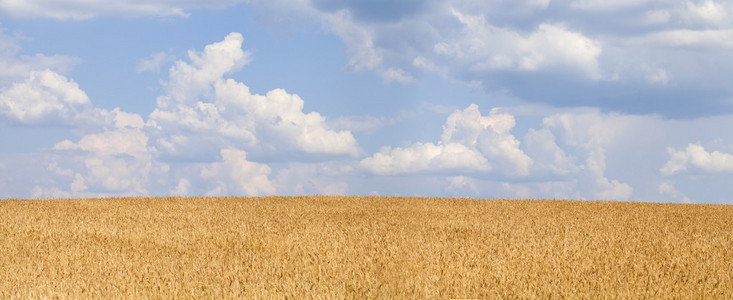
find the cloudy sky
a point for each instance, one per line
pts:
(574, 99)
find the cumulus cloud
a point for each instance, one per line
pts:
(121, 153)
(202, 105)
(697, 157)
(470, 142)
(425, 157)
(46, 97)
(235, 175)
(117, 161)
(490, 135)
(487, 47)
(189, 81)
(530, 47)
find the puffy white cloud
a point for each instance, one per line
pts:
(46, 97)
(202, 105)
(487, 47)
(469, 142)
(603, 5)
(189, 81)
(235, 175)
(490, 135)
(579, 53)
(696, 156)
(425, 157)
(81, 10)
(117, 161)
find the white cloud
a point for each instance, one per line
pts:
(202, 105)
(235, 175)
(490, 135)
(488, 47)
(560, 56)
(126, 141)
(117, 161)
(39, 192)
(425, 157)
(470, 142)
(154, 63)
(188, 82)
(47, 97)
(696, 156)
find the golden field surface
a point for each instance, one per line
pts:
(363, 247)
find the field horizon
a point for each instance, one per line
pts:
(363, 247)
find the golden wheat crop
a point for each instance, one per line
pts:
(363, 247)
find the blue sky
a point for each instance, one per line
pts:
(573, 99)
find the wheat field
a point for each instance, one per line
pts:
(363, 247)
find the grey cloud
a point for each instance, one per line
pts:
(652, 56)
